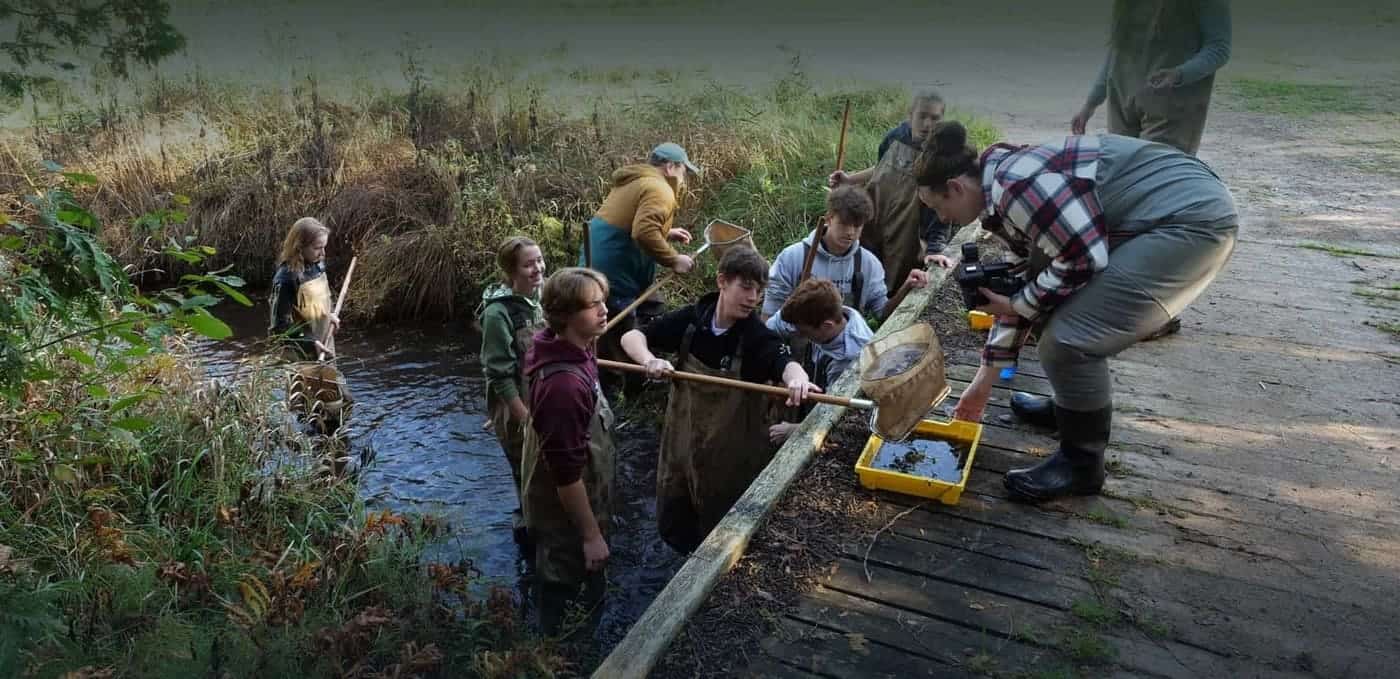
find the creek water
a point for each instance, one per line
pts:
(418, 416)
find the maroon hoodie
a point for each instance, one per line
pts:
(561, 404)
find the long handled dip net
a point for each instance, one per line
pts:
(903, 374)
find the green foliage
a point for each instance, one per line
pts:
(117, 32)
(66, 303)
(158, 524)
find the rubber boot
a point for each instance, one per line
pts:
(1169, 328)
(521, 533)
(1076, 468)
(1034, 410)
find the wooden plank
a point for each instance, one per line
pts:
(1051, 588)
(1202, 609)
(831, 650)
(760, 668)
(653, 632)
(1310, 554)
(1337, 440)
(1244, 491)
(1233, 401)
(1242, 560)
(1013, 618)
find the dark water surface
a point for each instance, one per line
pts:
(419, 409)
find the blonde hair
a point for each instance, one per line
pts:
(508, 255)
(302, 234)
(564, 294)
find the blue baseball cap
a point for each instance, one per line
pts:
(674, 153)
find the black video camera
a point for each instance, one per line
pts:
(995, 276)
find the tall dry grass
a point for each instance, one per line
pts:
(421, 185)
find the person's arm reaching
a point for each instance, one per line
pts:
(651, 224)
(634, 343)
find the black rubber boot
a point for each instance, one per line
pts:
(521, 533)
(1169, 328)
(1034, 410)
(1075, 469)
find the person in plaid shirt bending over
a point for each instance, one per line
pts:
(1118, 234)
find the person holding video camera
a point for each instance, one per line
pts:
(1118, 235)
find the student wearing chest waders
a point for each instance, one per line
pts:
(301, 301)
(715, 439)
(857, 273)
(510, 315)
(900, 219)
(1121, 235)
(631, 235)
(1158, 75)
(568, 462)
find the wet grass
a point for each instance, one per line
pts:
(1342, 251)
(1094, 612)
(1104, 517)
(1281, 97)
(1387, 327)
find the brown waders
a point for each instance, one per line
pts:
(559, 563)
(509, 433)
(714, 444)
(893, 236)
(1174, 116)
(610, 344)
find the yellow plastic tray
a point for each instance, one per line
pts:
(957, 431)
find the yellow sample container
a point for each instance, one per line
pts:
(980, 320)
(954, 432)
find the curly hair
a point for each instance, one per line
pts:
(814, 302)
(851, 204)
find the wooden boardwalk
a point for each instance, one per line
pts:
(1250, 524)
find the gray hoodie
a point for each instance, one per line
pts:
(787, 267)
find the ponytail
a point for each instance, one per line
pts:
(946, 155)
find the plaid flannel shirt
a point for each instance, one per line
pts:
(1043, 196)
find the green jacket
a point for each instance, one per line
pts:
(508, 320)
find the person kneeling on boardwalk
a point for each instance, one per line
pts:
(715, 438)
(568, 462)
(1121, 235)
(837, 334)
(510, 316)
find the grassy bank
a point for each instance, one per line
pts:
(155, 523)
(423, 183)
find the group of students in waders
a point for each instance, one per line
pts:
(540, 339)
(1117, 233)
